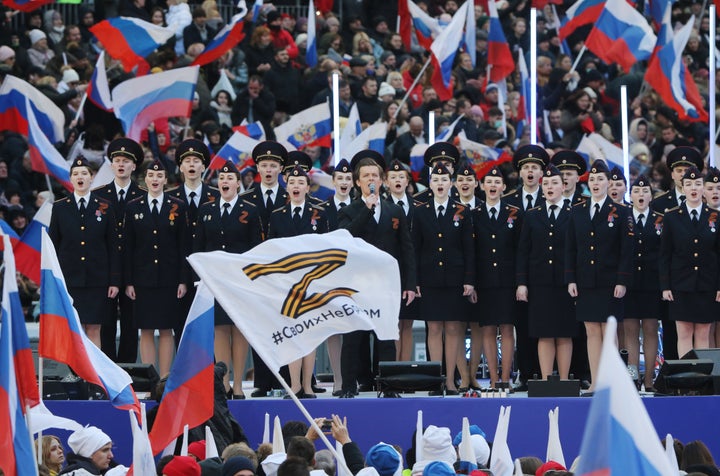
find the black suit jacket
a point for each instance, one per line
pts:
(540, 256)
(403, 145)
(238, 234)
(313, 220)
(88, 246)
(444, 247)
(495, 245)
(690, 253)
(331, 213)
(155, 247)
(647, 253)
(191, 34)
(391, 234)
(599, 252)
(255, 196)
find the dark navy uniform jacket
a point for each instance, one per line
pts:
(690, 253)
(109, 193)
(598, 252)
(255, 196)
(541, 250)
(647, 252)
(496, 245)
(155, 247)
(88, 246)
(665, 201)
(238, 233)
(517, 199)
(312, 220)
(207, 194)
(444, 248)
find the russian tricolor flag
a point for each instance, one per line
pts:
(524, 106)
(237, 150)
(311, 57)
(619, 437)
(188, 398)
(257, 8)
(427, 28)
(26, 5)
(500, 60)
(14, 96)
(45, 158)
(59, 322)
(130, 40)
(253, 129)
(480, 156)
(309, 127)
(28, 248)
(621, 35)
(6, 229)
(227, 38)
(372, 138)
(582, 12)
(18, 384)
(140, 101)
(98, 91)
(669, 76)
(444, 49)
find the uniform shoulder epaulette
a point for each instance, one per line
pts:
(101, 187)
(64, 199)
(100, 200)
(625, 205)
(136, 199)
(318, 206)
(510, 193)
(174, 199)
(249, 204)
(247, 192)
(213, 189)
(278, 210)
(578, 204)
(510, 207)
(658, 214)
(661, 194)
(175, 190)
(538, 207)
(673, 209)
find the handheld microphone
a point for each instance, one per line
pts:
(372, 189)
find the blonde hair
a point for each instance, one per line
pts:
(47, 441)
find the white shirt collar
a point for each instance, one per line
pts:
(231, 202)
(698, 208)
(301, 205)
(636, 214)
(496, 207)
(264, 190)
(189, 190)
(118, 188)
(159, 199)
(338, 202)
(557, 210)
(443, 204)
(78, 197)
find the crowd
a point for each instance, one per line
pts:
(91, 453)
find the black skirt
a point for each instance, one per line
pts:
(411, 312)
(643, 304)
(496, 306)
(221, 317)
(696, 307)
(92, 304)
(597, 304)
(551, 313)
(156, 307)
(442, 304)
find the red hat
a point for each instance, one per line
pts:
(197, 449)
(182, 466)
(549, 466)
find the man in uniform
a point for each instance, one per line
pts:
(192, 157)
(269, 157)
(385, 226)
(439, 152)
(529, 161)
(125, 155)
(571, 166)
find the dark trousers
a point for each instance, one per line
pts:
(264, 378)
(128, 348)
(352, 361)
(527, 356)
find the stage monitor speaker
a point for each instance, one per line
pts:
(686, 377)
(711, 354)
(553, 387)
(409, 376)
(144, 376)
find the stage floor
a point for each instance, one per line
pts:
(372, 419)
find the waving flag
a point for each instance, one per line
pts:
(352, 129)
(27, 250)
(470, 39)
(18, 385)
(523, 119)
(582, 12)
(619, 437)
(444, 49)
(658, 8)
(140, 101)
(373, 138)
(323, 284)
(311, 57)
(594, 146)
(257, 8)
(405, 23)
(143, 461)
(59, 322)
(188, 398)
(669, 76)
(480, 156)
(417, 159)
(621, 35)
(98, 90)
(309, 127)
(26, 5)
(238, 150)
(44, 157)
(130, 39)
(427, 28)
(253, 129)
(500, 60)
(226, 39)
(6, 229)
(447, 134)
(14, 96)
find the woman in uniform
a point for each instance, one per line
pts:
(445, 254)
(156, 273)
(232, 225)
(83, 230)
(298, 218)
(598, 260)
(690, 264)
(540, 267)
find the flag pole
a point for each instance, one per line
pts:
(80, 108)
(431, 127)
(533, 76)
(577, 60)
(40, 394)
(336, 117)
(340, 461)
(711, 87)
(407, 94)
(625, 138)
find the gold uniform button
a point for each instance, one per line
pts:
(439, 235)
(640, 242)
(156, 261)
(550, 248)
(493, 250)
(223, 246)
(439, 249)
(639, 268)
(592, 261)
(695, 255)
(495, 265)
(695, 240)
(639, 255)
(440, 263)
(695, 268)
(82, 243)
(154, 232)
(82, 228)
(592, 233)
(119, 235)
(82, 258)
(492, 236)
(549, 261)
(155, 247)
(550, 234)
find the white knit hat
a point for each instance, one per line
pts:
(87, 441)
(36, 35)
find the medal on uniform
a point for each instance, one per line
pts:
(712, 220)
(611, 217)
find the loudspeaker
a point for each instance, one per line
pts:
(144, 376)
(686, 377)
(710, 354)
(553, 387)
(409, 376)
